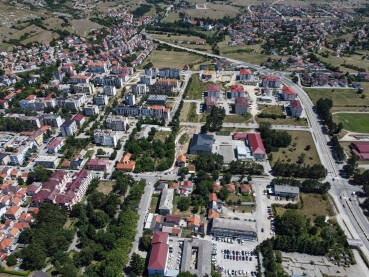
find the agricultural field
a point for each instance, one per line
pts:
(341, 97)
(163, 58)
(354, 122)
(356, 60)
(302, 148)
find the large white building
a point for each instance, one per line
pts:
(106, 137)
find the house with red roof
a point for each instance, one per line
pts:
(213, 90)
(55, 146)
(181, 161)
(256, 145)
(241, 105)
(296, 108)
(245, 74)
(79, 119)
(159, 254)
(271, 82)
(210, 102)
(288, 93)
(97, 164)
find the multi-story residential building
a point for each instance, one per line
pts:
(296, 108)
(17, 158)
(95, 164)
(110, 90)
(213, 90)
(105, 137)
(80, 79)
(157, 100)
(79, 119)
(84, 88)
(210, 102)
(236, 91)
(117, 122)
(245, 75)
(96, 67)
(151, 71)
(147, 80)
(271, 82)
(101, 100)
(164, 86)
(53, 120)
(288, 93)
(143, 111)
(91, 110)
(68, 128)
(172, 73)
(241, 105)
(47, 161)
(255, 143)
(130, 99)
(55, 146)
(139, 89)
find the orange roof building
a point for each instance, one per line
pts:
(213, 197)
(213, 214)
(193, 221)
(130, 166)
(5, 244)
(126, 158)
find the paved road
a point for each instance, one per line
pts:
(252, 126)
(353, 216)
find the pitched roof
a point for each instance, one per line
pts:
(256, 143)
(181, 158)
(158, 256)
(296, 105)
(193, 220)
(245, 71)
(213, 197)
(213, 214)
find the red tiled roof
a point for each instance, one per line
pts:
(159, 237)
(158, 256)
(256, 143)
(296, 105)
(241, 101)
(239, 135)
(245, 71)
(78, 117)
(288, 90)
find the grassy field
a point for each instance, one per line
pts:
(105, 186)
(247, 53)
(340, 97)
(188, 113)
(301, 140)
(161, 135)
(353, 121)
(352, 60)
(312, 205)
(154, 203)
(195, 88)
(212, 10)
(238, 118)
(180, 38)
(277, 110)
(162, 58)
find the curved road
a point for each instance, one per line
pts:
(354, 219)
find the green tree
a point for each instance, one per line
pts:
(11, 260)
(183, 204)
(137, 264)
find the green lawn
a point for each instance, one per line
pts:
(195, 87)
(188, 113)
(237, 118)
(353, 121)
(302, 144)
(340, 97)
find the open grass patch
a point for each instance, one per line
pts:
(189, 114)
(310, 205)
(354, 122)
(154, 203)
(195, 87)
(105, 186)
(302, 148)
(238, 118)
(161, 135)
(176, 59)
(340, 97)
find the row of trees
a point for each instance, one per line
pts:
(323, 108)
(315, 171)
(307, 186)
(245, 168)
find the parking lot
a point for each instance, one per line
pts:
(235, 257)
(175, 254)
